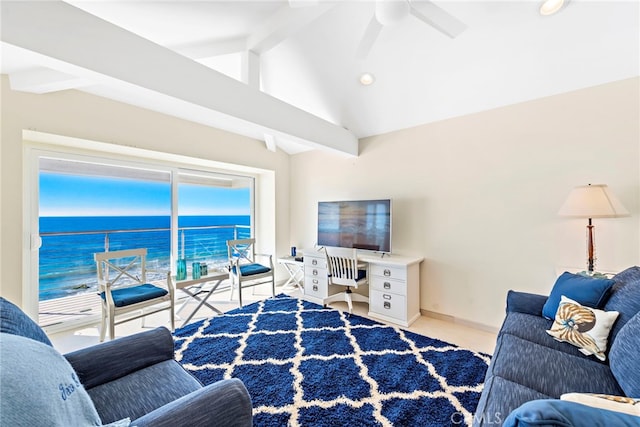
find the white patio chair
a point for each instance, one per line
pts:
(123, 289)
(244, 271)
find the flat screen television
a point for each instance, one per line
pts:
(360, 224)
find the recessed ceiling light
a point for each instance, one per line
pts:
(549, 7)
(366, 79)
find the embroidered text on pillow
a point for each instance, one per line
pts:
(67, 390)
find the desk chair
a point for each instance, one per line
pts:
(244, 270)
(123, 288)
(344, 270)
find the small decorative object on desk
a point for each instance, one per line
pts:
(204, 270)
(293, 251)
(181, 270)
(195, 270)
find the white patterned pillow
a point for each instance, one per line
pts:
(626, 405)
(586, 328)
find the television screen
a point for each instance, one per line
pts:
(360, 224)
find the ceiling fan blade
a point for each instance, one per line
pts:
(368, 39)
(436, 17)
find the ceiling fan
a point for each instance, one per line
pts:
(390, 12)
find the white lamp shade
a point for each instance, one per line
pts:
(592, 201)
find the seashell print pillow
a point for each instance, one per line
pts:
(626, 405)
(586, 328)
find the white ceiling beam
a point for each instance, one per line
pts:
(120, 58)
(303, 3)
(44, 80)
(270, 141)
(283, 24)
(251, 69)
(212, 48)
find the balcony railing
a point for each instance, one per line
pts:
(68, 271)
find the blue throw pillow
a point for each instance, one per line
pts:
(40, 388)
(561, 413)
(582, 289)
(14, 321)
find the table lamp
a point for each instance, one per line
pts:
(592, 201)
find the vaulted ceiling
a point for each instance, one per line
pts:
(287, 72)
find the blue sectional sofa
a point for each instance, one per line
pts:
(531, 366)
(132, 380)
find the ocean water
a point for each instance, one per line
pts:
(68, 244)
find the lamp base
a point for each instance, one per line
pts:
(591, 259)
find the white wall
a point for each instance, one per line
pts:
(79, 115)
(478, 195)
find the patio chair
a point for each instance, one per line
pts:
(123, 289)
(244, 271)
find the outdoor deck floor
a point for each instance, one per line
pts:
(86, 306)
(76, 307)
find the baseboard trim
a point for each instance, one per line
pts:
(453, 319)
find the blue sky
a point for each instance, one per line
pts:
(72, 195)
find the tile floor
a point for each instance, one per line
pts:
(455, 333)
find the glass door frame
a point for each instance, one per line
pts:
(31, 241)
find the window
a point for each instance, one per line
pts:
(88, 205)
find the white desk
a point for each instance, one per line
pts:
(394, 284)
(295, 270)
(193, 287)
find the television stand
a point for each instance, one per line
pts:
(394, 284)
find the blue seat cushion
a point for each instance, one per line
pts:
(361, 275)
(14, 321)
(584, 290)
(502, 397)
(135, 294)
(539, 368)
(534, 329)
(251, 269)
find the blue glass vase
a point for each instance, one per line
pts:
(181, 271)
(195, 270)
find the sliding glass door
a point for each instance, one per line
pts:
(88, 205)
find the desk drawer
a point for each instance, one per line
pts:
(383, 284)
(315, 286)
(310, 271)
(320, 262)
(398, 273)
(388, 304)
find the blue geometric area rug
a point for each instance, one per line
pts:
(305, 365)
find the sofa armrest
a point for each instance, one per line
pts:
(115, 359)
(522, 302)
(225, 403)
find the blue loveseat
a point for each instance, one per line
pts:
(530, 370)
(132, 380)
